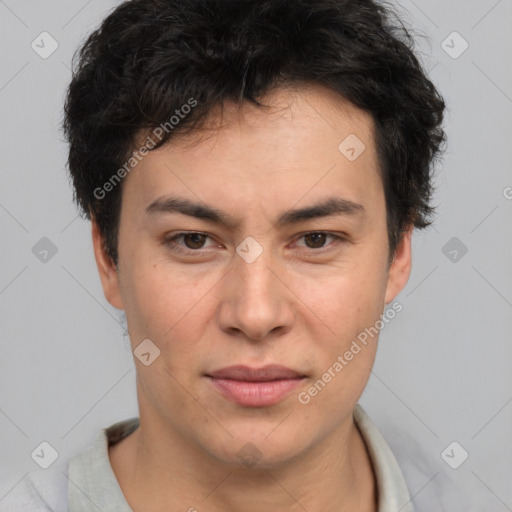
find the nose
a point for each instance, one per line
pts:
(255, 301)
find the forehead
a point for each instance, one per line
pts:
(305, 142)
(294, 109)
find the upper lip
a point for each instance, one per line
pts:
(265, 373)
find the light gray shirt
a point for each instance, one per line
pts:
(87, 482)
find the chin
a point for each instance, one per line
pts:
(254, 450)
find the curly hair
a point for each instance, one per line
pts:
(149, 57)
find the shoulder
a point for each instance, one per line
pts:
(40, 490)
(428, 478)
(71, 483)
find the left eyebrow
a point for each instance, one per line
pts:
(328, 207)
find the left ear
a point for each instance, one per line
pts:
(400, 268)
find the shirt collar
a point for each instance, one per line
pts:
(92, 480)
(392, 491)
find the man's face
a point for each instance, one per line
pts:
(256, 291)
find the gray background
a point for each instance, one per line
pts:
(444, 366)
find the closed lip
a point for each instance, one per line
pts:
(264, 374)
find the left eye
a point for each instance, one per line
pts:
(318, 237)
(193, 241)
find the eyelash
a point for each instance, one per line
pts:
(170, 242)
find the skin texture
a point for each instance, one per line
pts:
(298, 305)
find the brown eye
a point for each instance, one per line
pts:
(194, 240)
(317, 240)
(186, 242)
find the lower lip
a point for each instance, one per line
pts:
(255, 394)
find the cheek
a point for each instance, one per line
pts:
(345, 301)
(168, 308)
(346, 307)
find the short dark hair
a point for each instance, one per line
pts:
(150, 57)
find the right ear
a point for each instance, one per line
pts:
(107, 270)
